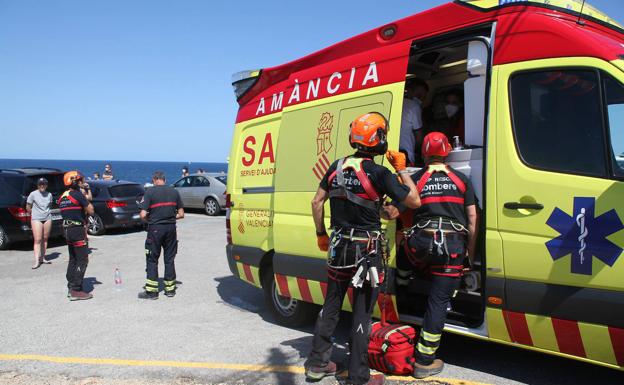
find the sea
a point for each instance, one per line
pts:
(133, 171)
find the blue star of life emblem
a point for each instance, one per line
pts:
(584, 236)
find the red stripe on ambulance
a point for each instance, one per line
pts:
(282, 283)
(568, 337)
(617, 340)
(518, 328)
(304, 289)
(248, 275)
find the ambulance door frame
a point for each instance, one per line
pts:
(441, 42)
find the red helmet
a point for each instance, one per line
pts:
(436, 144)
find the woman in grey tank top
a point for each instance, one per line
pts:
(39, 205)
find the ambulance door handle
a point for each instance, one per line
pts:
(527, 206)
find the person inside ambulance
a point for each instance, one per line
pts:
(356, 187)
(454, 109)
(440, 234)
(73, 205)
(412, 119)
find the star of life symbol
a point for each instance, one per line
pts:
(583, 235)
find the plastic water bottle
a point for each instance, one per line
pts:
(118, 282)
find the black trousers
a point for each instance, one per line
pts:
(161, 237)
(78, 256)
(442, 289)
(363, 304)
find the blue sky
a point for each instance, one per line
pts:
(150, 79)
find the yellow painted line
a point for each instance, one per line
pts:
(172, 364)
(435, 380)
(203, 365)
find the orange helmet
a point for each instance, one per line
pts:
(367, 133)
(436, 144)
(72, 176)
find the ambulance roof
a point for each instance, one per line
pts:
(526, 30)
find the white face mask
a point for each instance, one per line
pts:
(451, 110)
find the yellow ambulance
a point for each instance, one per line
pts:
(543, 112)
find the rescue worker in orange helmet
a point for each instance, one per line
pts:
(356, 187)
(73, 205)
(439, 235)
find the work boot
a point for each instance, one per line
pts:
(316, 373)
(148, 295)
(375, 379)
(170, 293)
(422, 371)
(75, 295)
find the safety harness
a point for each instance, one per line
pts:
(437, 241)
(370, 199)
(366, 246)
(368, 251)
(69, 223)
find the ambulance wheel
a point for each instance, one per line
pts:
(4, 239)
(95, 225)
(212, 207)
(287, 311)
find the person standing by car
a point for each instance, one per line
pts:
(356, 187)
(38, 204)
(74, 205)
(108, 172)
(185, 172)
(160, 207)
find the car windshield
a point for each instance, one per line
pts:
(222, 178)
(126, 190)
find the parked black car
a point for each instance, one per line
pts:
(116, 204)
(15, 186)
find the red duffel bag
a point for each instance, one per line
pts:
(391, 347)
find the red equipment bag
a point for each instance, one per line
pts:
(391, 347)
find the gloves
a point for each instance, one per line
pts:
(323, 242)
(397, 160)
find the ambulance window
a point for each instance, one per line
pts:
(614, 92)
(557, 121)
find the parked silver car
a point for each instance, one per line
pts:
(203, 191)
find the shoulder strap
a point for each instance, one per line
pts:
(342, 192)
(457, 180)
(365, 181)
(424, 179)
(445, 169)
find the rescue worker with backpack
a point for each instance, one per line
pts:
(73, 205)
(356, 187)
(438, 236)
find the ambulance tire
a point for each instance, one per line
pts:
(286, 311)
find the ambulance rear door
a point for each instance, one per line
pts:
(559, 184)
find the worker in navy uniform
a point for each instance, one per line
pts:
(439, 235)
(73, 205)
(160, 207)
(356, 187)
